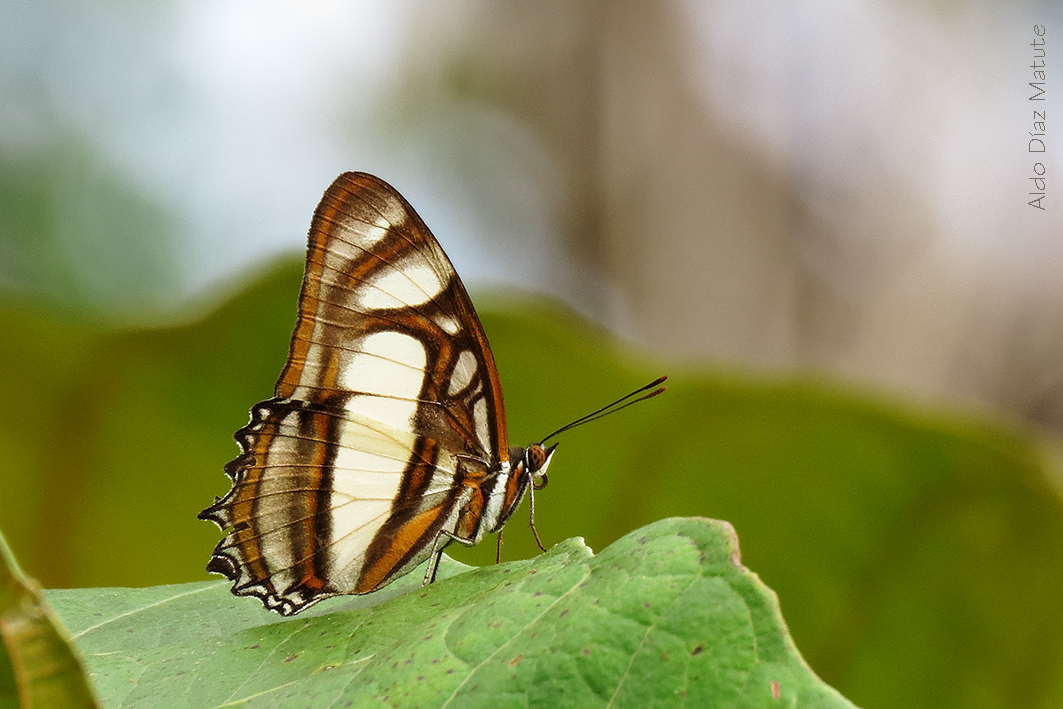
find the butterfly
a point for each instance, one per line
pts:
(386, 438)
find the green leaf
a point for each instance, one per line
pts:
(39, 669)
(665, 617)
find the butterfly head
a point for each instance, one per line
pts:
(533, 462)
(536, 461)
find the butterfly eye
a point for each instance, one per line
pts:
(536, 457)
(537, 460)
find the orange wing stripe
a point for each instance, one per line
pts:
(406, 537)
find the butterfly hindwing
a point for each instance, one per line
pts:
(387, 427)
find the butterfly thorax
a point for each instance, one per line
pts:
(527, 467)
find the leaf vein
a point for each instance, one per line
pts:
(156, 604)
(501, 647)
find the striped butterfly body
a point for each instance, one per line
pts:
(386, 437)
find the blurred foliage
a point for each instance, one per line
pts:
(73, 235)
(39, 667)
(915, 553)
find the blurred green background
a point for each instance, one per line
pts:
(906, 545)
(784, 208)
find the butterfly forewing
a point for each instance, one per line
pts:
(387, 421)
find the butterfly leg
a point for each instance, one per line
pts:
(442, 539)
(433, 561)
(531, 517)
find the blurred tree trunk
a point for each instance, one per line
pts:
(821, 251)
(687, 225)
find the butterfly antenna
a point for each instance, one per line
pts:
(621, 403)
